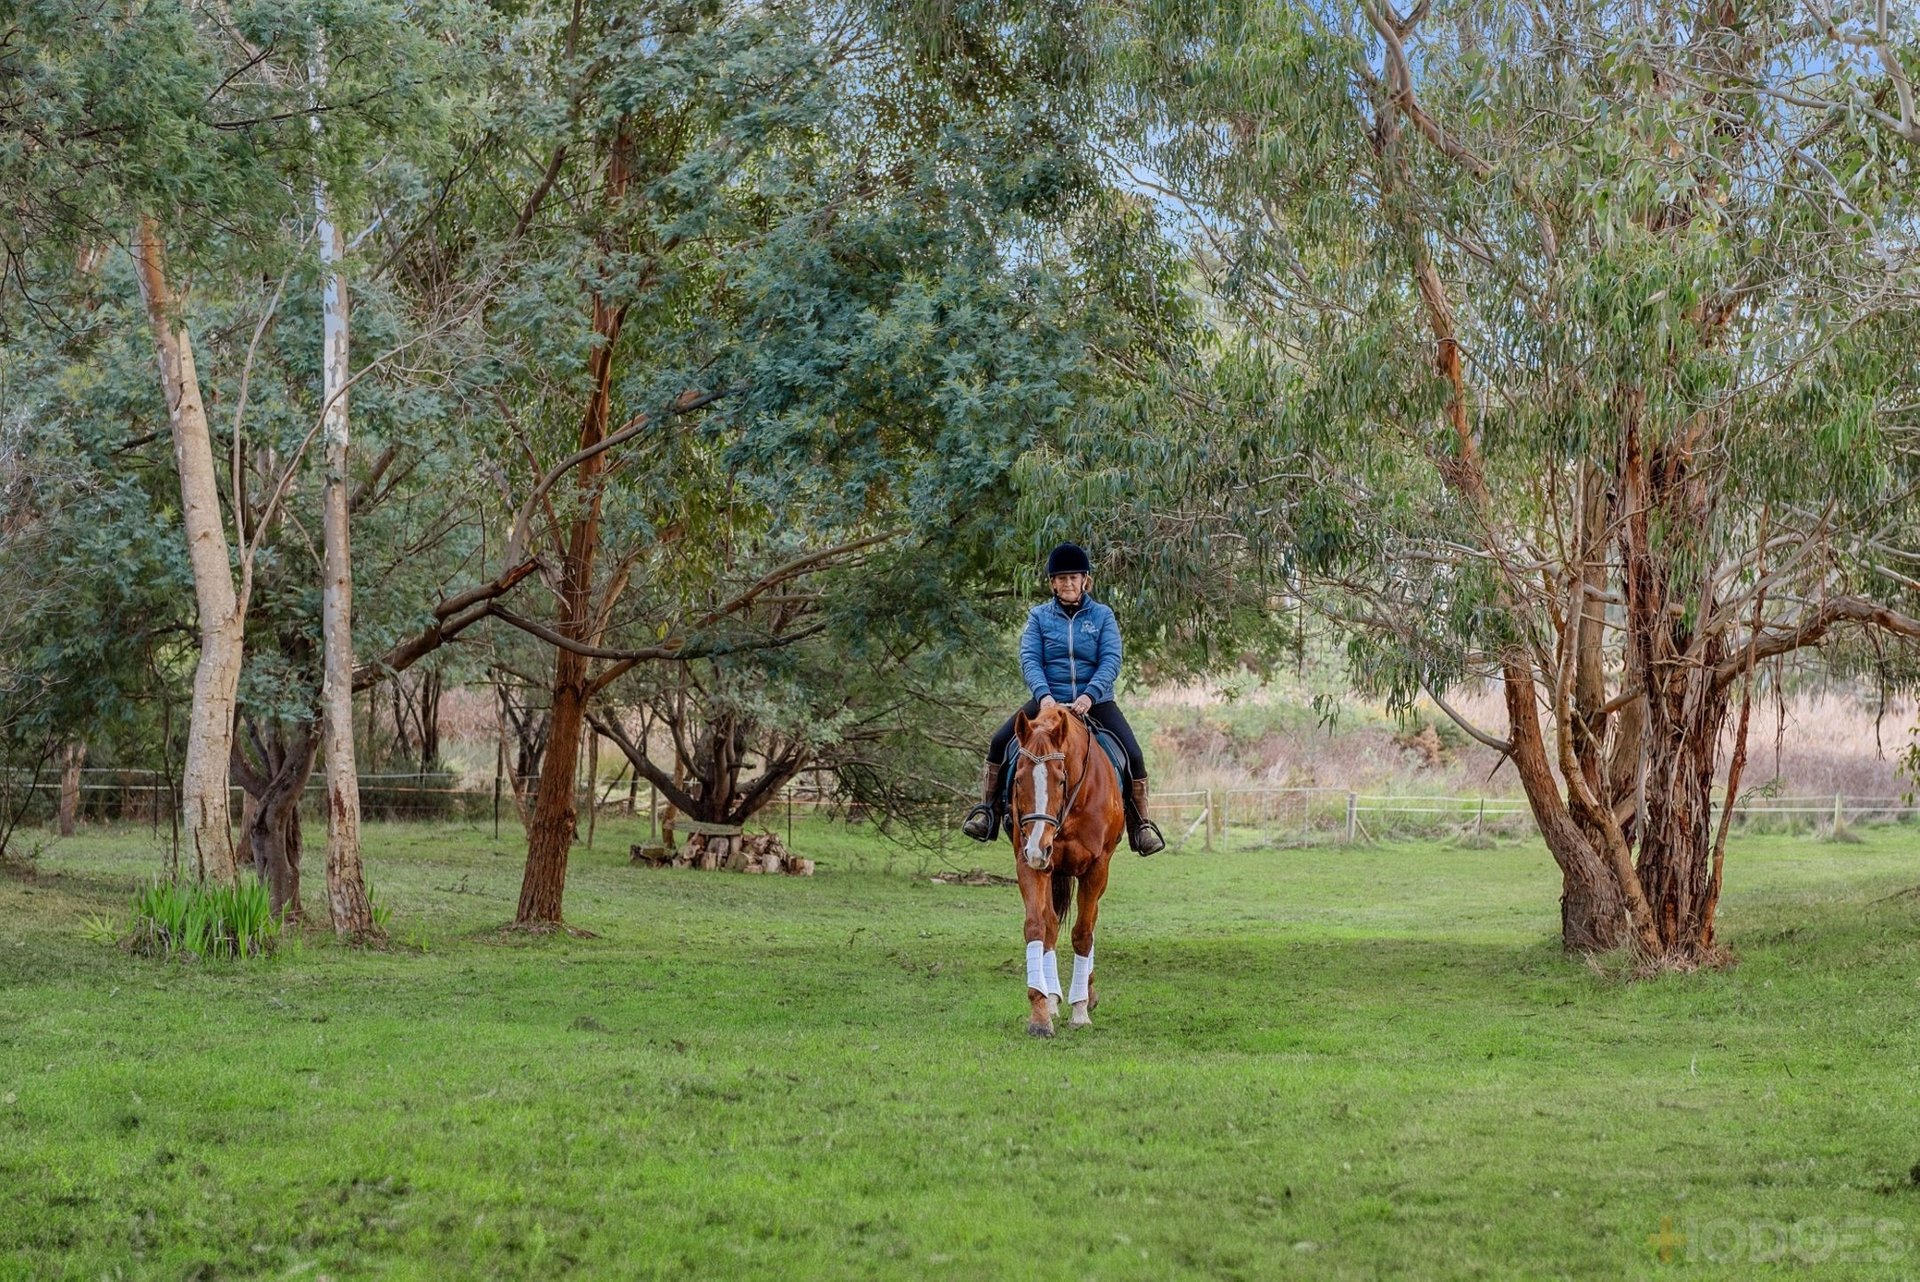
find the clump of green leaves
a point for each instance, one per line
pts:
(382, 912)
(198, 922)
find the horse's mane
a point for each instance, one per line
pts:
(1056, 723)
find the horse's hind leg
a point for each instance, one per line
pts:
(1080, 992)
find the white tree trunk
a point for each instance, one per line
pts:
(347, 902)
(221, 614)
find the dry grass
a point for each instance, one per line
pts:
(1229, 736)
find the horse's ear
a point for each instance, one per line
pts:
(1020, 723)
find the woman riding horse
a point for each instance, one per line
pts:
(1070, 654)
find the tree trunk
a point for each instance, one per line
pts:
(270, 810)
(526, 727)
(1687, 711)
(402, 736)
(347, 905)
(73, 757)
(431, 687)
(221, 613)
(550, 833)
(1686, 708)
(1676, 848)
(273, 836)
(1593, 915)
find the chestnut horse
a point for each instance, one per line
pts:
(1066, 819)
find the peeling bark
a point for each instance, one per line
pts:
(221, 613)
(553, 826)
(348, 907)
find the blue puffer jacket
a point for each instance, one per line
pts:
(1068, 656)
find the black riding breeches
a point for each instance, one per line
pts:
(1110, 717)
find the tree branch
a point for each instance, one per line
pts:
(450, 618)
(635, 754)
(1502, 746)
(1810, 631)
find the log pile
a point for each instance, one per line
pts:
(977, 877)
(756, 852)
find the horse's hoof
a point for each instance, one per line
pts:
(1080, 1019)
(1053, 1006)
(1039, 1028)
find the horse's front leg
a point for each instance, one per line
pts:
(1050, 957)
(1036, 892)
(1080, 992)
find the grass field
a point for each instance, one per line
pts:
(1315, 1064)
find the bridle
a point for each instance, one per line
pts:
(1073, 789)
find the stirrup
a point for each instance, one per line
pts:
(1138, 837)
(992, 826)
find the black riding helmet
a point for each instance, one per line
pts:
(1068, 558)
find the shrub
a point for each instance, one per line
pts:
(177, 919)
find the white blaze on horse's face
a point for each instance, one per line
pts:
(1039, 851)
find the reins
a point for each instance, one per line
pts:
(1073, 789)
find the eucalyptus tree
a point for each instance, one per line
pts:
(184, 133)
(1565, 346)
(765, 234)
(96, 126)
(870, 682)
(36, 488)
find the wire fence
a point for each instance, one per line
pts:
(1309, 815)
(104, 795)
(1192, 819)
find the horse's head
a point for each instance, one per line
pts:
(1042, 750)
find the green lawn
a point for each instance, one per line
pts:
(1318, 1064)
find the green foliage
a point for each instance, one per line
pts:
(102, 928)
(1637, 226)
(199, 922)
(382, 913)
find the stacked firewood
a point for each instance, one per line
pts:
(758, 852)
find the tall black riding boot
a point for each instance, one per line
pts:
(983, 821)
(1142, 834)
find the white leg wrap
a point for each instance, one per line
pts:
(1082, 978)
(1050, 962)
(1036, 968)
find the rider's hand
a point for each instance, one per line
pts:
(1083, 704)
(1048, 702)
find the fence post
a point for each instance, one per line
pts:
(593, 781)
(1207, 840)
(499, 764)
(1480, 820)
(1836, 812)
(1353, 816)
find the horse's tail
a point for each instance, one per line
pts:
(1062, 894)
